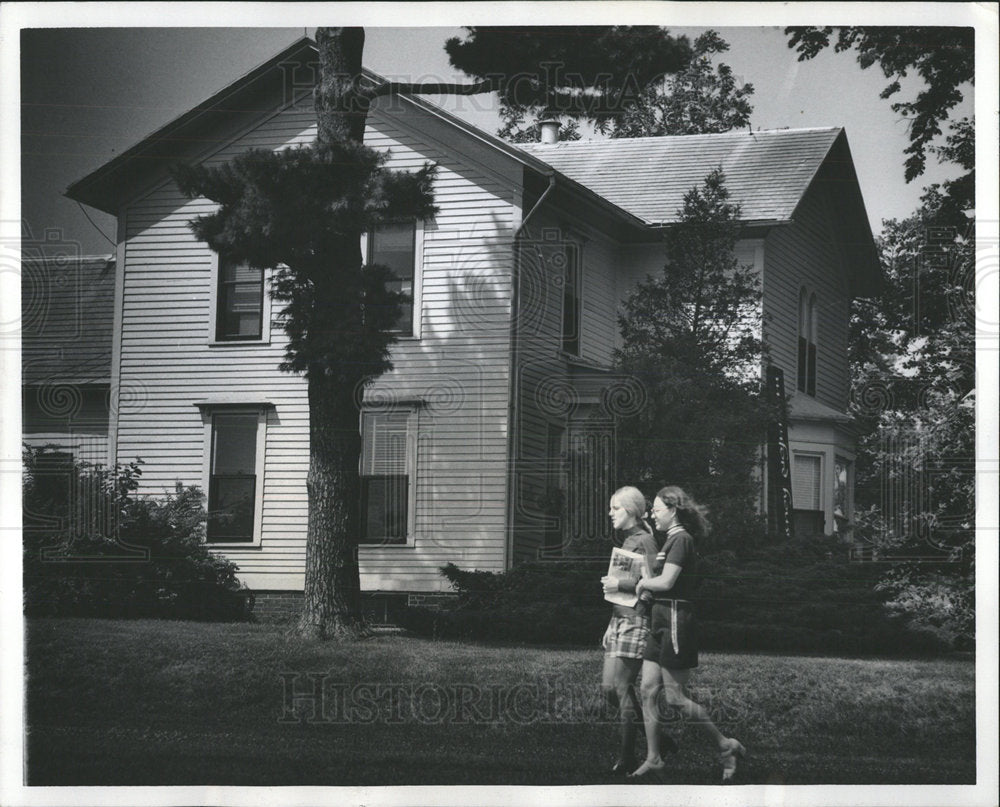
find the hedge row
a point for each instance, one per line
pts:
(802, 596)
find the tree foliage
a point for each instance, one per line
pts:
(581, 71)
(701, 99)
(514, 129)
(912, 358)
(692, 336)
(943, 57)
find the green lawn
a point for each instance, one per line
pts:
(148, 702)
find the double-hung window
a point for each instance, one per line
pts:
(240, 302)
(387, 470)
(807, 493)
(233, 475)
(394, 245)
(233, 479)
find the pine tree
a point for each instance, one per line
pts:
(303, 211)
(692, 336)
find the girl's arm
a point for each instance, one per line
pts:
(664, 581)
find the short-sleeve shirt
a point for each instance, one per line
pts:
(637, 540)
(679, 550)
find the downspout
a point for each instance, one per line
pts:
(514, 389)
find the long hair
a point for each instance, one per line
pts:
(634, 503)
(692, 516)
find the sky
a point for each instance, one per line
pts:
(87, 94)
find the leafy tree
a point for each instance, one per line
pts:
(912, 353)
(943, 57)
(697, 100)
(692, 336)
(303, 211)
(514, 129)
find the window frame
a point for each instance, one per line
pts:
(411, 473)
(215, 300)
(418, 264)
(577, 287)
(208, 412)
(807, 348)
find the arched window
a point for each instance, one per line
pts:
(807, 342)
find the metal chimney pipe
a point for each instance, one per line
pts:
(549, 128)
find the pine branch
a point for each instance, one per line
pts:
(419, 88)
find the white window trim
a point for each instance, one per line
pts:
(418, 278)
(412, 430)
(213, 311)
(260, 408)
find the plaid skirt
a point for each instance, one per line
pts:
(626, 636)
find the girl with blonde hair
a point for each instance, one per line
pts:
(625, 638)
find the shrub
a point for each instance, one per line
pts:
(798, 596)
(91, 548)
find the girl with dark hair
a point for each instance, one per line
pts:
(672, 649)
(625, 638)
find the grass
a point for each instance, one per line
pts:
(149, 702)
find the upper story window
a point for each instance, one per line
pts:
(240, 312)
(395, 246)
(807, 343)
(571, 307)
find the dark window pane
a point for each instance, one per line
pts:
(571, 303)
(384, 508)
(231, 508)
(811, 370)
(234, 449)
(803, 350)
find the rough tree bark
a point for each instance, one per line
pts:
(331, 607)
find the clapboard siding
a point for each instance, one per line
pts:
(459, 366)
(806, 253)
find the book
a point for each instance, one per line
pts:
(626, 565)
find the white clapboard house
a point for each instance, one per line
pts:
(487, 443)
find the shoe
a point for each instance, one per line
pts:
(620, 769)
(727, 756)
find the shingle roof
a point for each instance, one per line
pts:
(767, 172)
(67, 314)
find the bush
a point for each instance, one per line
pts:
(91, 548)
(801, 596)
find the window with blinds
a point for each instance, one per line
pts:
(241, 302)
(386, 455)
(807, 473)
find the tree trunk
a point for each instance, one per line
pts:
(331, 601)
(340, 111)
